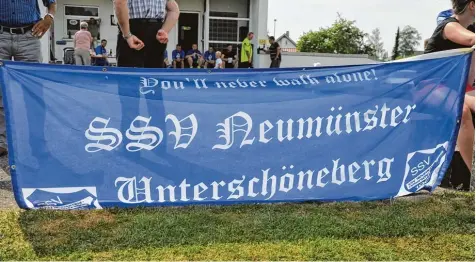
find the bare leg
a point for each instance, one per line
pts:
(471, 71)
(469, 101)
(466, 133)
(466, 136)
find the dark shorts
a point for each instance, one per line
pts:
(179, 64)
(245, 65)
(275, 64)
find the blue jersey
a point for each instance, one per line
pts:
(210, 56)
(191, 52)
(443, 15)
(178, 55)
(100, 50)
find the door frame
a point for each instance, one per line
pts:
(200, 39)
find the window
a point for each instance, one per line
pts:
(226, 28)
(74, 15)
(81, 11)
(222, 47)
(223, 30)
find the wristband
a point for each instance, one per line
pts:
(127, 36)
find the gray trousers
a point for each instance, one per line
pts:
(275, 64)
(21, 47)
(82, 57)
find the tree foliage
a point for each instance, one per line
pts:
(343, 37)
(396, 47)
(409, 40)
(375, 41)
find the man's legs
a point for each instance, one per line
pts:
(6, 50)
(154, 50)
(229, 65)
(27, 48)
(127, 57)
(154, 55)
(200, 62)
(244, 65)
(275, 63)
(190, 62)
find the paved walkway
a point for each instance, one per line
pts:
(6, 193)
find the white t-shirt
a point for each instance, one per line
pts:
(218, 63)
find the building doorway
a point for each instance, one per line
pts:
(188, 28)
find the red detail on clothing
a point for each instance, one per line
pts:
(469, 88)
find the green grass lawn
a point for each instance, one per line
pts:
(438, 228)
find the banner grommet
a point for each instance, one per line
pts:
(1, 63)
(13, 167)
(104, 69)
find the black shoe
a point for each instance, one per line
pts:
(3, 151)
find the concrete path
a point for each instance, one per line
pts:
(6, 193)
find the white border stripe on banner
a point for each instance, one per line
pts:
(441, 54)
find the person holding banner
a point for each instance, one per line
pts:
(21, 28)
(453, 33)
(144, 28)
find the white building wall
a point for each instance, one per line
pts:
(236, 6)
(107, 31)
(259, 25)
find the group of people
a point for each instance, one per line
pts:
(226, 58)
(84, 51)
(195, 59)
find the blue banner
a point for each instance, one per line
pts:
(88, 137)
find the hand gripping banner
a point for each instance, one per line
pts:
(91, 137)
